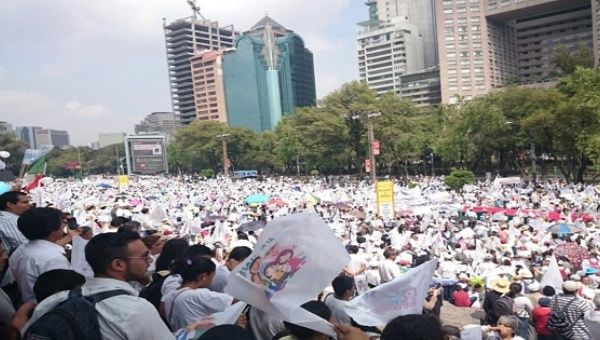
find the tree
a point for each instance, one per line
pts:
(566, 59)
(352, 101)
(459, 178)
(10, 143)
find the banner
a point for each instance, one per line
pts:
(385, 200)
(375, 147)
(123, 181)
(295, 258)
(404, 295)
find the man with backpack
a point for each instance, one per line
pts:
(566, 319)
(106, 307)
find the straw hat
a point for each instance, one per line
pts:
(500, 285)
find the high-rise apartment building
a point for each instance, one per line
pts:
(487, 44)
(386, 50)
(27, 135)
(58, 138)
(209, 92)
(420, 13)
(269, 74)
(184, 38)
(421, 87)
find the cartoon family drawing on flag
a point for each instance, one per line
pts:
(274, 269)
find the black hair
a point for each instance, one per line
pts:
(132, 224)
(10, 197)
(145, 210)
(229, 332)
(318, 308)
(352, 249)
(514, 289)
(240, 253)
(39, 223)
(414, 327)
(189, 269)
(102, 249)
(242, 236)
(198, 250)
(56, 280)
(118, 221)
(389, 252)
(341, 284)
(548, 291)
(172, 250)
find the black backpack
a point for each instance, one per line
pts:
(503, 306)
(74, 319)
(152, 292)
(559, 321)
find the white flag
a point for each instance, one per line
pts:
(404, 295)
(295, 258)
(552, 276)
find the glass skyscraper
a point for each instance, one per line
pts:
(267, 76)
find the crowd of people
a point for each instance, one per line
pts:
(153, 257)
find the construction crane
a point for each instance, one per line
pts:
(195, 9)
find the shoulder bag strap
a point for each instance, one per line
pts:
(173, 304)
(95, 298)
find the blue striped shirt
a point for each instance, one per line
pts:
(9, 232)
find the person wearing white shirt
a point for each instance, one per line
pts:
(193, 301)
(343, 287)
(116, 258)
(388, 269)
(43, 227)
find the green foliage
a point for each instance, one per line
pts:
(10, 143)
(566, 59)
(459, 178)
(208, 173)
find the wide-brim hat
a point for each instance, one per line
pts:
(500, 285)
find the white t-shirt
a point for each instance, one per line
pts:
(185, 306)
(388, 270)
(170, 284)
(337, 309)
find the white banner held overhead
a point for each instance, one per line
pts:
(404, 295)
(295, 258)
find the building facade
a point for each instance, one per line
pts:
(27, 135)
(209, 91)
(421, 87)
(59, 138)
(488, 44)
(163, 123)
(267, 76)
(184, 38)
(420, 13)
(386, 50)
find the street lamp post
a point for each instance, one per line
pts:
(225, 155)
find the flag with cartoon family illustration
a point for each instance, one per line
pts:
(404, 295)
(295, 258)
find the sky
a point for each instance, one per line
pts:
(100, 66)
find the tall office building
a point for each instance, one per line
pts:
(27, 135)
(184, 38)
(487, 44)
(386, 50)
(420, 13)
(58, 138)
(209, 92)
(269, 74)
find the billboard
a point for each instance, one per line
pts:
(146, 155)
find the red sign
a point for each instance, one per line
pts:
(72, 165)
(367, 165)
(375, 147)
